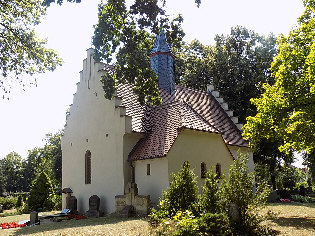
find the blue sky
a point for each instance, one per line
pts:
(30, 114)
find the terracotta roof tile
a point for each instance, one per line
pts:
(186, 108)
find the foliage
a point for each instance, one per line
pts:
(214, 224)
(182, 192)
(22, 54)
(210, 198)
(46, 159)
(41, 194)
(304, 199)
(59, 2)
(12, 168)
(128, 36)
(58, 202)
(211, 217)
(8, 202)
(19, 201)
(237, 65)
(185, 223)
(52, 152)
(2, 182)
(286, 109)
(239, 189)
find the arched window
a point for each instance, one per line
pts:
(203, 170)
(218, 170)
(88, 167)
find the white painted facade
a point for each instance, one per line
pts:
(95, 124)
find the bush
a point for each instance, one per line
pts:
(185, 223)
(58, 202)
(19, 202)
(209, 201)
(182, 194)
(183, 212)
(8, 202)
(42, 194)
(240, 190)
(214, 224)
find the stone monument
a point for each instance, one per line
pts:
(94, 206)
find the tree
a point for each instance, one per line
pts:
(47, 159)
(42, 193)
(2, 182)
(286, 109)
(128, 36)
(22, 54)
(237, 65)
(59, 2)
(12, 168)
(53, 154)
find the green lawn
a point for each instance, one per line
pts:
(296, 219)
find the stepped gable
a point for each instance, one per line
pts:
(133, 107)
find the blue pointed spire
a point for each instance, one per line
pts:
(160, 44)
(162, 62)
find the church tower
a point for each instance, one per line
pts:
(162, 63)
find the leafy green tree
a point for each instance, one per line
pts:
(2, 181)
(310, 162)
(32, 166)
(47, 159)
(53, 154)
(286, 109)
(237, 65)
(128, 35)
(22, 54)
(59, 2)
(12, 167)
(42, 193)
(182, 193)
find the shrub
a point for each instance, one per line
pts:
(178, 214)
(185, 223)
(209, 201)
(42, 194)
(8, 202)
(182, 194)
(214, 224)
(19, 202)
(239, 189)
(58, 202)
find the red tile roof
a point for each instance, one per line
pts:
(186, 108)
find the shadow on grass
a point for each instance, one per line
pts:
(66, 224)
(297, 222)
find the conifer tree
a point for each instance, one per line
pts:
(42, 193)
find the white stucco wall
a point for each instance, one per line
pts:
(197, 147)
(94, 124)
(154, 183)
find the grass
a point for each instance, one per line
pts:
(290, 219)
(109, 225)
